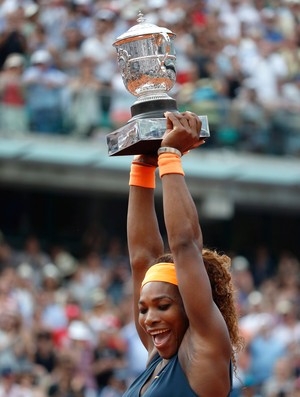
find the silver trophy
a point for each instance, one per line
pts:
(147, 61)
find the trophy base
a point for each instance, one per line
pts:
(142, 136)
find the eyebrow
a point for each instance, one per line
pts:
(158, 298)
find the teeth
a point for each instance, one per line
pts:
(159, 332)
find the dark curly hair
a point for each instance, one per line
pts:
(217, 267)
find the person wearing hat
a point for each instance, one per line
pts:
(184, 305)
(13, 111)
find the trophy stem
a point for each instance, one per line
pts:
(153, 109)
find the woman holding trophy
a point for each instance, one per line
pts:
(183, 298)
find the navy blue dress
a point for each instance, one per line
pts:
(169, 382)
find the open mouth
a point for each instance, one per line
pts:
(160, 337)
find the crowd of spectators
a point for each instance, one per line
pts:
(238, 61)
(66, 325)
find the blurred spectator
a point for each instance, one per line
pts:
(261, 366)
(53, 16)
(288, 281)
(9, 386)
(33, 254)
(288, 328)
(271, 29)
(79, 347)
(204, 95)
(116, 385)
(268, 70)
(15, 337)
(251, 121)
(66, 263)
(38, 40)
(287, 17)
(281, 382)
(12, 38)
(84, 92)
(8, 256)
(115, 252)
(31, 15)
(93, 238)
(108, 356)
(102, 314)
(81, 13)
(44, 89)
(94, 273)
(257, 314)
(262, 265)
(44, 354)
(136, 355)
(70, 57)
(14, 118)
(29, 382)
(25, 292)
(51, 313)
(287, 116)
(243, 280)
(75, 289)
(99, 44)
(119, 276)
(65, 381)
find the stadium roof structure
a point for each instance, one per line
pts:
(221, 178)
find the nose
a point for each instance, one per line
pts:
(151, 317)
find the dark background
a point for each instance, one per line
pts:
(59, 217)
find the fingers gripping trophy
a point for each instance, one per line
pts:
(147, 61)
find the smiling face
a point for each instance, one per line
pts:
(162, 316)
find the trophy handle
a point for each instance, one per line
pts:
(163, 37)
(123, 58)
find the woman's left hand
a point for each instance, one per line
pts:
(183, 131)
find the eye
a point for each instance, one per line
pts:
(142, 310)
(164, 307)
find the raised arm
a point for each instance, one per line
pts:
(185, 241)
(144, 240)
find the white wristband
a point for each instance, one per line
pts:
(166, 149)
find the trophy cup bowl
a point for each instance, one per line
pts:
(147, 62)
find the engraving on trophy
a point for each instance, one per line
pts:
(147, 62)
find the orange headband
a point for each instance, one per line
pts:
(161, 272)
